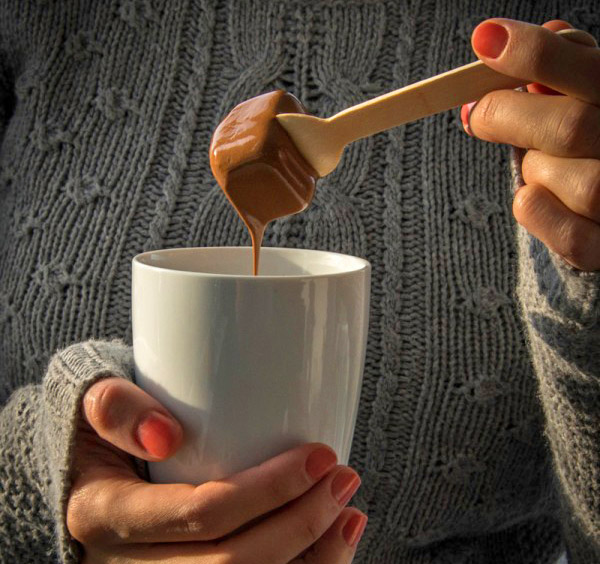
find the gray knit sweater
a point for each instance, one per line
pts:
(478, 433)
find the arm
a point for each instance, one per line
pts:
(557, 205)
(561, 307)
(38, 427)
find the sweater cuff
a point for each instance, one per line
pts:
(547, 279)
(70, 373)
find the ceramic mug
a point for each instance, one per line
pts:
(250, 365)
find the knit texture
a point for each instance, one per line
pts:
(38, 427)
(477, 432)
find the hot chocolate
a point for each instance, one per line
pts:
(258, 166)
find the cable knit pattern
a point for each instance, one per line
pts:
(106, 113)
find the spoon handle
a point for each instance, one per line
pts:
(427, 97)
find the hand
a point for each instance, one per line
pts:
(560, 203)
(269, 513)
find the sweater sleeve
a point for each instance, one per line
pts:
(561, 307)
(37, 430)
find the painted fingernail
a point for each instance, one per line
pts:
(490, 39)
(156, 434)
(354, 529)
(344, 486)
(465, 114)
(319, 462)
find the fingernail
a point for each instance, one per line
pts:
(465, 116)
(319, 462)
(354, 529)
(344, 486)
(490, 39)
(156, 434)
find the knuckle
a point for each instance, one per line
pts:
(487, 110)
(589, 190)
(202, 519)
(529, 167)
(98, 402)
(574, 133)
(573, 245)
(76, 519)
(314, 522)
(525, 204)
(310, 531)
(85, 515)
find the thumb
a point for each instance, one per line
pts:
(130, 419)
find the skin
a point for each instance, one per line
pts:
(558, 121)
(275, 512)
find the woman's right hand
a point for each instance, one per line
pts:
(290, 509)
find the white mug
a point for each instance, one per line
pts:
(250, 365)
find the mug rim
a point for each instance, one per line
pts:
(358, 264)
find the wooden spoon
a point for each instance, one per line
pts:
(322, 141)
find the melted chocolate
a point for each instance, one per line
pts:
(258, 166)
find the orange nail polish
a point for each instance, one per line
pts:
(490, 39)
(155, 434)
(354, 529)
(465, 114)
(344, 486)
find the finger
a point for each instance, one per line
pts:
(132, 420)
(575, 182)
(134, 511)
(557, 25)
(536, 87)
(557, 125)
(338, 544)
(536, 54)
(573, 237)
(301, 523)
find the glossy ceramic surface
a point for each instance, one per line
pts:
(251, 366)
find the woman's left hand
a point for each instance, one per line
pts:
(560, 202)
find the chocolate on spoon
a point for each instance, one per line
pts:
(268, 153)
(258, 166)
